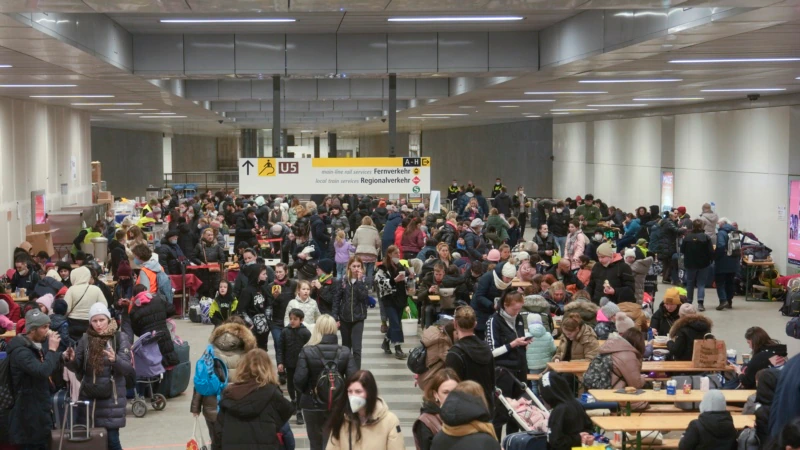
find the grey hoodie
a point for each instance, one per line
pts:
(710, 220)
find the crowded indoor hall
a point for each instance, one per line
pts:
(397, 225)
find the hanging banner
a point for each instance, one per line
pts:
(334, 176)
(667, 189)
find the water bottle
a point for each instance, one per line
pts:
(713, 207)
(649, 334)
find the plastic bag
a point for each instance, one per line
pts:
(411, 311)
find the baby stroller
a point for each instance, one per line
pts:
(529, 413)
(149, 371)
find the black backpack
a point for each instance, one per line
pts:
(330, 384)
(6, 385)
(417, 360)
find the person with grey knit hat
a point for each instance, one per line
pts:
(606, 320)
(610, 278)
(5, 322)
(713, 429)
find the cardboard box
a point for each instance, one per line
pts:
(104, 195)
(96, 173)
(40, 240)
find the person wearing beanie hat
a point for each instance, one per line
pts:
(541, 349)
(690, 327)
(491, 285)
(667, 313)
(64, 268)
(624, 323)
(714, 427)
(630, 253)
(494, 255)
(99, 309)
(47, 302)
(327, 266)
(170, 253)
(5, 322)
(606, 323)
(612, 278)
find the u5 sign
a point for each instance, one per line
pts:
(334, 175)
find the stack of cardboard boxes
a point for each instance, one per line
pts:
(102, 197)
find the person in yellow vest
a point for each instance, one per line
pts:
(497, 188)
(452, 191)
(85, 236)
(153, 203)
(152, 217)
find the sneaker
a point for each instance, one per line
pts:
(722, 306)
(385, 346)
(700, 307)
(300, 420)
(384, 328)
(398, 353)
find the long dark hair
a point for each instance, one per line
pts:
(790, 435)
(759, 338)
(635, 338)
(412, 226)
(341, 412)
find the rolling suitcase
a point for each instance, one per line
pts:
(69, 436)
(176, 380)
(526, 440)
(60, 401)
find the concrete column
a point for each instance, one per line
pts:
(392, 114)
(276, 116)
(332, 145)
(248, 143)
(316, 147)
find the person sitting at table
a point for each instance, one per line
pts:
(667, 313)
(582, 305)
(713, 429)
(606, 324)
(25, 277)
(491, 286)
(685, 331)
(568, 423)
(611, 277)
(766, 353)
(5, 323)
(765, 394)
(633, 310)
(557, 296)
(627, 350)
(579, 342)
(50, 284)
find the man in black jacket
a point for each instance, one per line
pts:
(698, 252)
(25, 276)
(170, 254)
(503, 203)
(247, 229)
(289, 346)
(470, 357)
(319, 230)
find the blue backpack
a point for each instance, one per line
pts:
(207, 382)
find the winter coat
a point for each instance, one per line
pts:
(46, 286)
(28, 282)
(309, 368)
(710, 431)
(627, 363)
(632, 228)
(698, 251)
(461, 409)
(483, 301)
(244, 230)
(163, 284)
(423, 435)
(367, 240)
(255, 299)
(222, 308)
(437, 343)
(710, 220)
(587, 311)
(392, 293)
(541, 349)
(663, 320)
(640, 268)
(250, 417)
(280, 296)
(472, 359)
(536, 304)
(60, 325)
(722, 262)
(152, 315)
(352, 303)
(187, 239)
(110, 412)
(379, 217)
(392, 222)
(683, 334)
(503, 203)
(213, 253)
(319, 231)
(499, 336)
(574, 249)
(170, 256)
(584, 347)
(567, 418)
(499, 224)
(758, 362)
(82, 295)
(230, 341)
(635, 312)
(340, 222)
(380, 431)
(413, 242)
(558, 224)
(619, 276)
(591, 214)
(662, 242)
(545, 244)
(330, 289)
(604, 329)
(309, 308)
(765, 393)
(474, 245)
(557, 308)
(342, 252)
(291, 344)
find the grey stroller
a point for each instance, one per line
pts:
(149, 371)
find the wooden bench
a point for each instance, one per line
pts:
(672, 409)
(665, 443)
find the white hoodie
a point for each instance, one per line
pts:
(81, 295)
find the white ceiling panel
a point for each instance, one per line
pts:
(139, 6)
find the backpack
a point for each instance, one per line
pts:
(791, 304)
(330, 384)
(417, 360)
(206, 380)
(734, 243)
(6, 385)
(793, 328)
(748, 440)
(598, 375)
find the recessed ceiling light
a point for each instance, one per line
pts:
(310, 131)
(105, 104)
(732, 60)
(162, 117)
(509, 106)
(71, 96)
(456, 19)
(532, 117)
(574, 109)
(744, 90)
(132, 114)
(560, 113)
(443, 114)
(520, 101)
(667, 99)
(650, 80)
(566, 93)
(470, 107)
(252, 20)
(36, 85)
(128, 109)
(619, 105)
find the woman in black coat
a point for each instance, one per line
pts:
(391, 279)
(684, 332)
(350, 308)
(323, 346)
(252, 410)
(713, 429)
(467, 421)
(208, 251)
(257, 303)
(667, 313)
(764, 350)
(148, 313)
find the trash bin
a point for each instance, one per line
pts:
(100, 249)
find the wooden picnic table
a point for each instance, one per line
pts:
(665, 422)
(19, 299)
(651, 396)
(579, 367)
(520, 283)
(8, 334)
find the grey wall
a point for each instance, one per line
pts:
(518, 152)
(192, 153)
(378, 145)
(120, 151)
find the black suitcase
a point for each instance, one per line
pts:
(176, 380)
(526, 440)
(195, 314)
(59, 404)
(69, 436)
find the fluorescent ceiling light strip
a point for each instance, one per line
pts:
(439, 117)
(5, 66)
(252, 20)
(560, 113)
(566, 93)
(72, 96)
(128, 109)
(532, 116)
(574, 109)
(105, 104)
(162, 117)
(520, 101)
(744, 90)
(618, 105)
(37, 85)
(445, 114)
(456, 19)
(509, 106)
(162, 114)
(732, 60)
(667, 99)
(648, 80)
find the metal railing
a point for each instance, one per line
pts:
(204, 180)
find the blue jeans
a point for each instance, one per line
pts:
(341, 268)
(369, 271)
(696, 277)
(725, 287)
(624, 242)
(113, 439)
(276, 335)
(562, 242)
(288, 436)
(394, 314)
(535, 384)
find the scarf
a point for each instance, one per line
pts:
(325, 278)
(510, 320)
(97, 345)
(499, 283)
(466, 429)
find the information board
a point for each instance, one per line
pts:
(794, 223)
(305, 176)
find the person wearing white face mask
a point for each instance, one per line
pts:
(362, 420)
(453, 191)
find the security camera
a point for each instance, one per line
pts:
(220, 121)
(383, 120)
(753, 97)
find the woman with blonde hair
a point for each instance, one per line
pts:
(135, 237)
(323, 346)
(252, 410)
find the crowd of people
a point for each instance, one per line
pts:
(587, 272)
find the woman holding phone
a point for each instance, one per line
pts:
(391, 278)
(350, 307)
